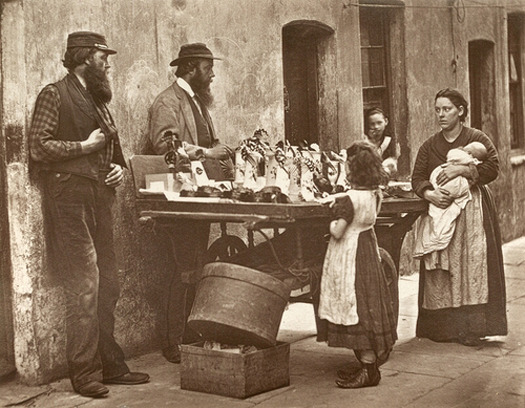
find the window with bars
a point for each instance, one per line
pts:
(515, 47)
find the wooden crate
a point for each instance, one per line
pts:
(234, 374)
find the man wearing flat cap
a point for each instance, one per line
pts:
(75, 144)
(182, 108)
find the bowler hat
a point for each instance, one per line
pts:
(89, 39)
(195, 50)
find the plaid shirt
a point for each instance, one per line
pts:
(43, 144)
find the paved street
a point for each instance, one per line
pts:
(420, 373)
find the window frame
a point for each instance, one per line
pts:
(366, 15)
(515, 54)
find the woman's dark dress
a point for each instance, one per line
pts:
(452, 324)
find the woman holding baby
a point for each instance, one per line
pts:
(462, 287)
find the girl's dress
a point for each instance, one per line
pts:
(355, 299)
(390, 150)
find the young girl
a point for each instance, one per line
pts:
(376, 122)
(355, 299)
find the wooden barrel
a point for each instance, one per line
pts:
(238, 305)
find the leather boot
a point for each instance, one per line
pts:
(347, 373)
(172, 353)
(368, 376)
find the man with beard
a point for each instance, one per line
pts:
(182, 108)
(75, 143)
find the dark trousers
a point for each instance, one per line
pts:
(190, 242)
(80, 222)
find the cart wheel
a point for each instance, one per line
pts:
(225, 247)
(392, 279)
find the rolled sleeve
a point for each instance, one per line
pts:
(343, 208)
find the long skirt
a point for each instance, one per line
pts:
(376, 329)
(489, 319)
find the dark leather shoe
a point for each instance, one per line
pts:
(128, 379)
(368, 376)
(93, 389)
(172, 353)
(347, 373)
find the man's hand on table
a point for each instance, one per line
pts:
(218, 152)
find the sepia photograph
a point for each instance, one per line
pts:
(262, 203)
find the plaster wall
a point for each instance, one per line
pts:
(517, 209)
(438, 58)
(24, 220)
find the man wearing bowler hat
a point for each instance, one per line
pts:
(75, 144)
(182, 108)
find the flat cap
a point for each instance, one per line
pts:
(88, 39)
(194, 50)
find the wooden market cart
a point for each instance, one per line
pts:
(296, 249)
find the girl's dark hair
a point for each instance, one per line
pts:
(76, 56)
(456, 98)
(373, 111)
(186, 66)
(364, 165)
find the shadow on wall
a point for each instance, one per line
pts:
(142, 85)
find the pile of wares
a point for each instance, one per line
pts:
(263, 173)
(285, 173)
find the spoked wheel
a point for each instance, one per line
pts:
(225, 247)
(392, 278)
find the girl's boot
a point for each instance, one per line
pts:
(367, 376)
(351, 371)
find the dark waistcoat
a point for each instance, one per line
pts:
(77, 119)
(204, 136)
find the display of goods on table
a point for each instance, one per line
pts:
(300, 172)
(263, 173)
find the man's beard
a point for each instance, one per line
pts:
(206, 97)
(97, 84)
(202, 90)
